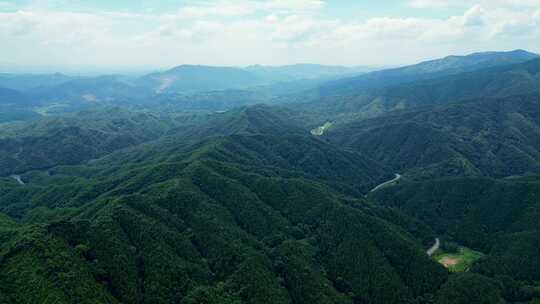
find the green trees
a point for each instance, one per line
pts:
(484, 137)
(468, 288)
(247, 207)
(216, 231)
(496, 216)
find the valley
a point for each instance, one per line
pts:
(261, 184)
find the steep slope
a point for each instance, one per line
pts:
(426, 70)
(195, 79)
(302, 71)
(498, 81)
(237, 207)
(498, 217)
(72, 140)
(14, 106)
(12, 98)
(10, 114)
(227, 99)
(191, 78)
(259, 136)
(494, 137)
(25, 82)
(349, 172)
(210, 231)
(258, 119)
(90, 91)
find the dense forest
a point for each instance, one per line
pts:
(199, 194)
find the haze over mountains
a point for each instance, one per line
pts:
(207, 185)
(192, 87)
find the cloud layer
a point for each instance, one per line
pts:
(268, 32)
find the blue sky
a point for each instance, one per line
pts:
(127, 34)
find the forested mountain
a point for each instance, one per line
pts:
(12, 98)
(27, 82)
(492, 82)
(196, 79)
(186, 192)
(14, 106)
(212, 232)
(10, 114)
(104, 90)
(499, 217)
(222, 220)
(242, 217)
(303, 71)
(371, 102)
(71, 140)
(261, 136)
(190, 79)
(490, 136)
(426, 70)
(182, 88)
(188, 87)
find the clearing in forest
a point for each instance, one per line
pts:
(320, 130)
(459, 261)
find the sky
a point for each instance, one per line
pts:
(62, 35)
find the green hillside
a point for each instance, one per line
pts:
(497, 217)
(415, 185)
(432, 69)
(491, 137)
(71, 140)
(201, 229)
(373, 101)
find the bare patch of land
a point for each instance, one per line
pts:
(448, 261)
(320, 130)
(460, 261)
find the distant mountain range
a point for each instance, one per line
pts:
(218, 88)
(375, 98)
(450, 65)
(25, 82)
(186, 86)
(167, 190)
(480, 137)
(304, 71)
(12, 97)
(189, 79)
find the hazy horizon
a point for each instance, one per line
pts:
(270, 151)
(140, 71)
(145, 70)
(99, 36)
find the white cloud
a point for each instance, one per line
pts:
(243, 8)
(474, 16)
(220, 10)
(6, 5)
(248, 32)
(272, 18)
(515, 3)
(441, 4)
(429, 3)
(295, 4)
